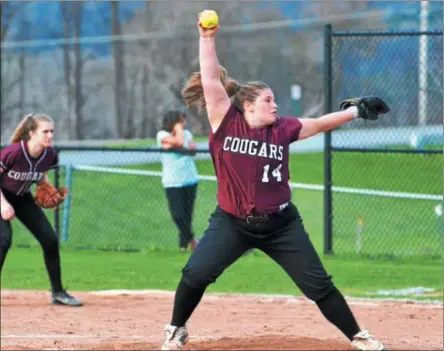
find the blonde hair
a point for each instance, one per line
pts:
(193, 93)
(28, 123)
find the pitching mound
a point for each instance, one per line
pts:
(135, 321)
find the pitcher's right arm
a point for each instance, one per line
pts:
(217, 100)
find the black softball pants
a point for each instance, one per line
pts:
(181, 202)
(33, 217)
(284, 239)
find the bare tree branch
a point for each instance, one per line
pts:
(9, 10)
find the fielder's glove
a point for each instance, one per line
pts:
(369, 107)
(47, 196)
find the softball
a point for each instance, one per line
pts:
(208, 19)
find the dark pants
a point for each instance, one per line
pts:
(283, 238)
(181, 205)
(35, 220)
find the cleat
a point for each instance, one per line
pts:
(63, 298)
(365, 341)
(176, 337)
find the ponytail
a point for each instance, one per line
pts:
(28, 123)
(193, 94)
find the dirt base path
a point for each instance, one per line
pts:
(222, 322)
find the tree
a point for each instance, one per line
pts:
(69, 12)
(22, 103)
(122, 124)
(171, 53)
(67, 65)
(13, 64)
(73, 66)
(9, 11)
(252, 44)
(77, 12)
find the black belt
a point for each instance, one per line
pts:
(263, 218)
(259, 218)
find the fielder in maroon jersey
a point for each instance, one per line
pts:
(23, 163)
(249, 145)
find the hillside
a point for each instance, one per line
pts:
(97, 16)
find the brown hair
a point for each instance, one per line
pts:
(193, 93)
(29, 123)
(171, 118)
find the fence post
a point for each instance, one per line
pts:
(57, 185)
(328, 239)
(67, 206)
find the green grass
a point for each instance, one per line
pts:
(414, 173)
(383, 171)
(254, 273)
(390, 172)
(128, 211)
(391, 227)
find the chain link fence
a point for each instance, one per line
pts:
(117, 201)
(125, 95)
(376, 204)
(389, 204)
(119, 86)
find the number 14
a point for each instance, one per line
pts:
(276, 173)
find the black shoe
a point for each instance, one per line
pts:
(63, 298)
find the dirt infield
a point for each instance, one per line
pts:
(222, 322)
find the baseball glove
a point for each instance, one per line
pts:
(369, 107)
(47, 196)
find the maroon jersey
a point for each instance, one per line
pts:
(19, 170)
(251, 164)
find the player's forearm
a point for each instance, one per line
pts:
(2, 198)
(179, 135)
(170, 141)
(335, 119)
(176, 139)
(209, 64)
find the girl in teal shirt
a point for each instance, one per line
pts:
(179, 175)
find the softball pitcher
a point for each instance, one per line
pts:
(249, 145)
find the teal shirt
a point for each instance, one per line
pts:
(177, 170)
